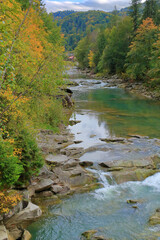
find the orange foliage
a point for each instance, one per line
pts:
(8, 201)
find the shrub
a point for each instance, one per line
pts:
(10, 167)
(30, 156)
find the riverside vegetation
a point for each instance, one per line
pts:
(31, 67)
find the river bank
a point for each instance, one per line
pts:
(135, 87)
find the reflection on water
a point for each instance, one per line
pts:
(120, 112)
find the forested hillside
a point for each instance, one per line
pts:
(129, 46)
(31, 67)
(76, 25)
(62, 14)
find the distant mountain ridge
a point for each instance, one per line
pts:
(75, 25)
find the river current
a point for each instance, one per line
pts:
(106, 112)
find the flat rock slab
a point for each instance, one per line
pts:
(3, 233)
(74, 177)
(44, 184)
(56, 159)
(141, 163)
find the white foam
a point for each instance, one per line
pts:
(153, 181)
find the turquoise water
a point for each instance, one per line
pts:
(105, 113)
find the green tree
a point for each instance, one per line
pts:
(134, 13)
(138, 58)
(150, 10)
(82, 52)
(114, 54)
(154, 72)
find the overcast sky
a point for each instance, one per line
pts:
(84, 5)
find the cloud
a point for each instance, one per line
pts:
(54, 6)
(106, 5)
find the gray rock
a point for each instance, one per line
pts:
(74, 177)
(57, 160)
(3, 233)
(30, 213)
(56, 189)
(73, 122)
(141, 163)
(45, 194)
(86, 164)
(44, 184)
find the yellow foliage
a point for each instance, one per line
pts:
(8, 201)
(90, 58)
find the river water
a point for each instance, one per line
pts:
(107, 112)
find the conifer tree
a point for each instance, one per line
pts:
(150, 10)
(135, 13)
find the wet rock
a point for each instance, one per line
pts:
(133, 201)
(73, 122)
(155, 219)
(92, 136)
(132, 175)
(57, 160)
(3, 233)
(113, 140)
(44, 184)
(78, 142)
(86, 164)
(26, 235)
(141, 163)
(135, 136)
(88, 234)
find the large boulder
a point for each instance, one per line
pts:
(132, 170)
(43, 184)
(74, 177)
(30, 213)
(132, 174)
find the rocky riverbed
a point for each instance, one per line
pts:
(84, 157)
